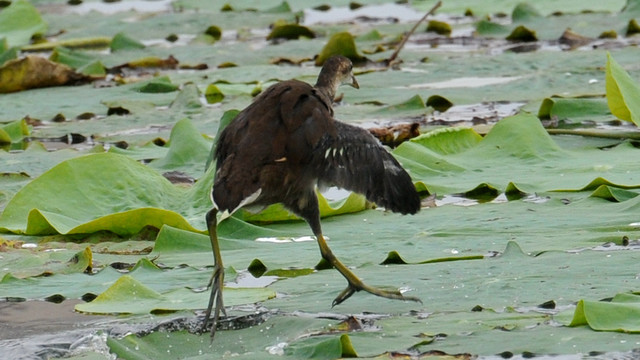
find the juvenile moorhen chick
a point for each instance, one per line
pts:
(282, 146)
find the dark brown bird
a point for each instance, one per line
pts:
(286, 143)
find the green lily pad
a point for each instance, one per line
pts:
(341, 43)
(213, 94)
(70, 57)
(14, 132)
(160, 84)
(83, 62)
(414, 105)
(620, 314)
(573, 108)
(19, 22)
(290, 32)
(117, 299)
(9, 54)
(612, 193)
(121, 41)
(622, 92)
(103, 177)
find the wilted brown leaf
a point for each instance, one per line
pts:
(396, 134)
(35, 72)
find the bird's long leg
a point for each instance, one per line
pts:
(355, 284)
(217, 279)
(312, 215)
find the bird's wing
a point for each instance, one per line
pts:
(353, 159)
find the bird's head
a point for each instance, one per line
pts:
(336, 71)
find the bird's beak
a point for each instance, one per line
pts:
(354, 82)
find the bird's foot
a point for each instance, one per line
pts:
(353, 287)
(216, 283)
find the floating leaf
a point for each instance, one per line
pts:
(118, 194)
(277, 212)
(337, 347)
(75, 59)
(394, 258)
(632, 28)
(486, 27)
(620, 314)
(290, 32)
(94, 69)
(573, 108)
(341, 43)
(413, 106)
(524, 12)
(213, 94)
(187, 151)
(257, 268)
(439, 27)
(157, 85)
(522, 34)
(612, 193)
(129, 296)
(188, 98)
(121, 41)
(608, 34)
(439, 103)
(151, 62)
(8, 54)
(483, 192)
(283, 7)
(214, 33)
(19, 22)
(80, 262)
(373, 35)
(14, 131)
(622, 92)
(35, 72)
(449, 140)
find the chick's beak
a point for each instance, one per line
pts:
(354, 82)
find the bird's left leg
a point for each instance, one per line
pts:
(312, 215)
(217, 279)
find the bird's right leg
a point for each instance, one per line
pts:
(217, 279)
(311, 214)
(355, 283)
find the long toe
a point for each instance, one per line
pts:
(344, 295)
(216, 304)
(389, 294)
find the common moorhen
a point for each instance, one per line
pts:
(286, 143)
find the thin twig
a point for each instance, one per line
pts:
(407, 35)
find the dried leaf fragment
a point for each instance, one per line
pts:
(35, 72)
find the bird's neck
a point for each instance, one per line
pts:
(328, 85)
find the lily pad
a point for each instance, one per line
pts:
(341, 43)
(19, 22)
(622, 92)
(290, 32)
(619, 314)
(35, 72)
(14, 132)
(121, 41)
(117, 298)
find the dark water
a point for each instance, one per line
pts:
(41, 330)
